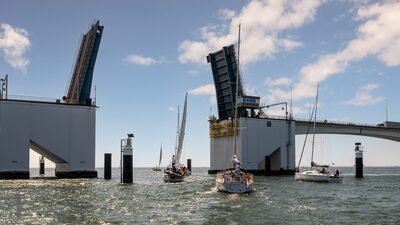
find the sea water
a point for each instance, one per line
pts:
(375, 199)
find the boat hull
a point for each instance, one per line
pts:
(226, 183)
(237, 187)
(335, 179)
(173, 177)
(312, 177)
(315, 176)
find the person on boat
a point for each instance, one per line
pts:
(173, 164)
(185, 170)
(323, 170)
(337, 173)
(235, 161)
(236, 165)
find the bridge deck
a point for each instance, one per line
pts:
(328, 127)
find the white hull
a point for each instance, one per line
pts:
(226, 183)
(316, 176)
(173, 177)
(335, 179)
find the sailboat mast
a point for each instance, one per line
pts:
(177, 134)
(315, 119)
(236, 96)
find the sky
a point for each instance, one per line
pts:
(153, 52)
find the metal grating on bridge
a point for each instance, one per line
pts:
(81, 80)
(224, 69)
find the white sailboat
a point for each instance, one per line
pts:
(158, 167)
(235, 180)
(176, 171)
(317, 173)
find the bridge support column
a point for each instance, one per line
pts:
(107, 166)
(189, 164)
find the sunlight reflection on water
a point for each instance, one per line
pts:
(277, 200)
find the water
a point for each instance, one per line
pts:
(277, 200)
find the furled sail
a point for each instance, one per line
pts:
(313, 164)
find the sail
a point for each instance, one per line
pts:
(181, 132)
(313, 164)
(159, 161)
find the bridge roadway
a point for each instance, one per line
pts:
(328, 127)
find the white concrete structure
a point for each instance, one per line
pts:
(256, 139)
(261, 139)
(62, 133)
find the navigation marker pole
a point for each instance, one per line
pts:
(359, 160)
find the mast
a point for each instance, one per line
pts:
(177, 134)
(236, 96)
(315, 119)
(291, 104)
(182, 131)
(305, 139)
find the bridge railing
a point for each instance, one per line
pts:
(327, 121)
(340, 123)
(32, 98)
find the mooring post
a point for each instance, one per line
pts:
(189, 164)
(128, 167)
(359, 160)
(41, 162)
(107, 166)
(127, 160)
(267, 165)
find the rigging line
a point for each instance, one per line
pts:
(177, 135)
(315, 119)
(305, 140)
(236, 97)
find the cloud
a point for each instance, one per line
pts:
(171, 108)
(262, 26)
(141, 60)
(378, 36)
(226, 14)
(282, 81)
(363, 96)
(14, 43)
(207, 90)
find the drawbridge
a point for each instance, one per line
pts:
(264, 143)
(62, 131)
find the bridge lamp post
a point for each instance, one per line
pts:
(280, 103)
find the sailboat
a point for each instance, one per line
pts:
(158, 168)
(176, 171)
(235, 180)
(317, 173)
